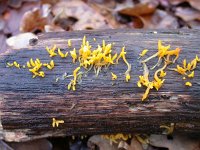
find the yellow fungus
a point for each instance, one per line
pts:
(114, 76)
(115, 138)
(193, 64)
(51, 51)
(162, 74)
(62, 55)
(142, 140)
(55, 123)
(184, 64)
(197, 58)
(69, 42)
(94, 39)
(188, 84)
(191, 75)
(180, 70)
(184, 78)
(72, 84)
(16, 64)
(143, 52)
(189, 66)
(169, 129)
(73, 55)
(9, 64)
(123, 56)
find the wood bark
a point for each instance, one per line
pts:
(99, 105)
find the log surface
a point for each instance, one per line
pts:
(99, 105)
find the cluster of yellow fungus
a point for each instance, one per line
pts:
(117, 137)
(34, 68)
(96, 58)
(163, 55)
(87, 57)
(55, 123)
(52, 52)
(14, 64)
(187, 69)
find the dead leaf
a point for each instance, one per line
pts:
(53, 28)
(135, 145)
(102, 143)
(159, 20)
(32, 21)
(87, 18)
(187, 13)
(194, 3)
(107, 13)
(18, 3)
(41, 144)
(179, 142)
(139, 9)
(13, 17)
(20, 41)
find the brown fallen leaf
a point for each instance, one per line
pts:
(179, 142)
(107, 13)
(159, 20)
(135, 145)
(87, 18)
(32, 21)
(187, 13)
(13, 17)
(20, 41)
(41, 144)
(139, 9)
(18, 3)
(194, 3)
(102, 143)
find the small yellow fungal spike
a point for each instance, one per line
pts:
(9, 64)
(188, 84)
(52, 64)
(55, 123)
(73, 55)
(143, 52)
(128, 77)
(32, 62)
(162, 74)
(184, 64)
(69, 43)
(114, 76)
(16, 64)
(197, 58)
(61, 54)
(191, 75)
(94, 39)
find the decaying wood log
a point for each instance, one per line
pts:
(99, 105)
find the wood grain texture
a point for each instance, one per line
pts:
(99, 105)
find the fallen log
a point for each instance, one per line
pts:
(99, 105)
